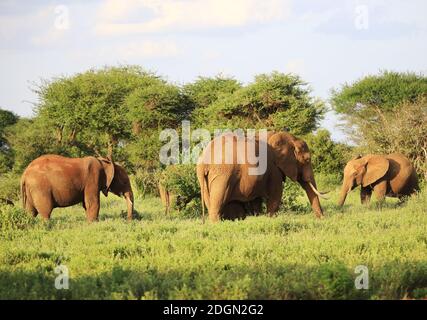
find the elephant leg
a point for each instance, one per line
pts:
(220, 189)
(365, 195)
(44, 208)
(275, 190)
(91, 203)
(40, 204)
(380, 191)
(29, 206)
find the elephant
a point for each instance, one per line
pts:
(53, 181)
(234, 210)
(222, 182)
(240, 210)
(386, 175)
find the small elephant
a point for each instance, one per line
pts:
(53, 181)
(386, 175)
(234, 210)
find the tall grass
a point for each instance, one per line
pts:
(290, 256)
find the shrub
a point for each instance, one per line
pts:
(327, 156)
(145, 182)
(291, 196)
(181, 180)
(14, 218)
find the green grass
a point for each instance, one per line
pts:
(291, 256)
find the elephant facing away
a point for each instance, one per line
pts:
(222, 181)
(53, 181)
(386, 175)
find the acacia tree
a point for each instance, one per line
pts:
(386, 113)
(360, 103)
(273, 101)
(88, 110)
(206, 90)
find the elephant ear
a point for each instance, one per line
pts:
(284, 154)
(376, 168)
(108, 166)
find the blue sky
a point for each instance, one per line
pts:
(326, 42)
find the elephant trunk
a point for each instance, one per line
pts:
(309, 187)
(129, 200)
(344, 192)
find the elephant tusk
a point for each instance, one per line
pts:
(320, 194)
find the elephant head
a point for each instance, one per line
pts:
(362, 171)
(292, 157)
(117, 181)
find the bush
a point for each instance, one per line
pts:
(292, 192)
(181, 180)
(14, 218)
(327, 156)
(145, 182)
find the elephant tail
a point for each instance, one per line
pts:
(201, 175)
(23, 194)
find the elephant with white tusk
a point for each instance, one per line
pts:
(386, 175)
(223, 182)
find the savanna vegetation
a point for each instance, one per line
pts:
(120, 111)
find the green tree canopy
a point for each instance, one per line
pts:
(274, 101)
(205, 90)
(7, 119)
(96, 111)
(385, 91)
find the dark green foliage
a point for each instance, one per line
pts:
(7, 119)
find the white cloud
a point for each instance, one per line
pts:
(184, 15)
